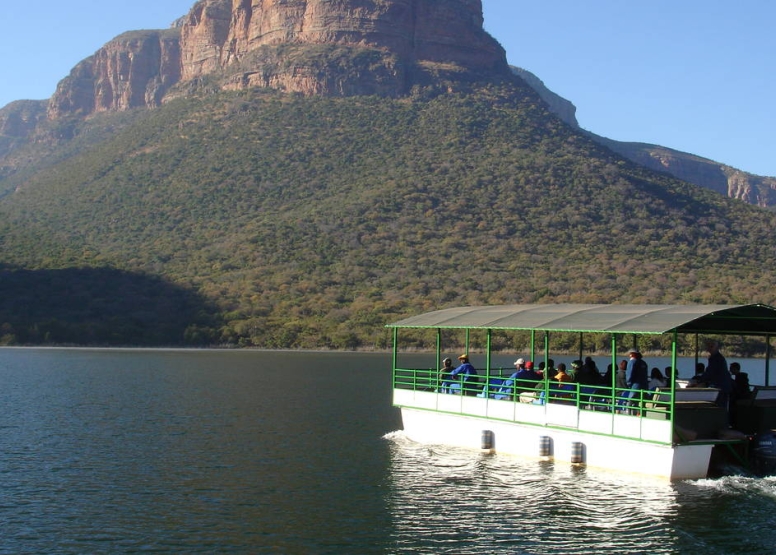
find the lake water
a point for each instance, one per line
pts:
(263, 452)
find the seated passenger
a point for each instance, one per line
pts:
(656, 379)
(621, 379)
(444, 375)
(670, 375)
(592, 371)
(527, 373)
(562, 376)
(574, 370)
(587, 373)
(507, 389)
(562, 388)
(465, 375)
(548, 372)
(697, 379)
(741, 389)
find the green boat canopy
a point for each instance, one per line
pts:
(751, 319)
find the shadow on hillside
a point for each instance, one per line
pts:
(99, 306)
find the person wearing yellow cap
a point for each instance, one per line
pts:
(465, 374)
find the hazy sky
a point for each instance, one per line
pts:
(694, 75)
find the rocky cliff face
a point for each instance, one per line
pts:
(219, 32)
(561, 107)
(336, 47)
(19, 119)
(754, 189)
(133, 70)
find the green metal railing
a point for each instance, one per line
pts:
(640, 403)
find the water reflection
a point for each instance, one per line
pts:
(447, 500)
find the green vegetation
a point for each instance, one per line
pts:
(311, 222)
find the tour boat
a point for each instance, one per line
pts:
(669, 432)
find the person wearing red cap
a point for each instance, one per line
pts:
(527, 372)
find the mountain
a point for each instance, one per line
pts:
(312, 47)
(725, 180)
(351, 47)
(254, 216)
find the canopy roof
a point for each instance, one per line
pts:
(752, 319)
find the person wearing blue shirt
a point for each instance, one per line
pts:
(637, 371)
(526, 372)
(464, 374)
(638, 378)
(507, 389)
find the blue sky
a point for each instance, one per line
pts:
(694, 75)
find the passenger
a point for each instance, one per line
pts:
(696, 380)
(656, 379)
(508, 389)
(717, 374)
(638, 379)
(444, 375)
(621, 385)
(550, 371)
(530, 367)
(576, 367)
(526, 374)
(637, 370)
(607, 379)
(562, 376)
(540, 370)
(591, 369)
(741, 389)
(669, 374)
(621, 379)
(465, 375)
(588, 373)
(561, 387)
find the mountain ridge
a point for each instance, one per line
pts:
(221, 45)
(332, 216)
(725, 180)
(294, 220)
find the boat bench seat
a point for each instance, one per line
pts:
(758, 413)
(691, 395)
(694, 408)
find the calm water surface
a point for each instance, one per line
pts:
(263, 452)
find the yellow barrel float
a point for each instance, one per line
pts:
(577, 452)
(545, 446)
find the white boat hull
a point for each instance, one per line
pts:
(605, 440)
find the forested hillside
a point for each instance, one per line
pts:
(279, 220)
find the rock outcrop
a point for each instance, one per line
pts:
(218, 33)
(561, 107)
(20, 118)
(133, 70)
(334, 47)
(725, 180)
